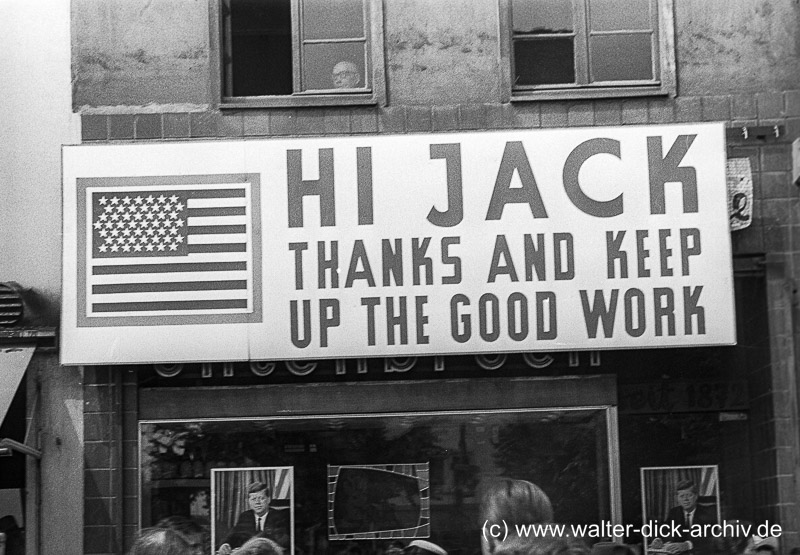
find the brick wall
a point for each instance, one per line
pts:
(110, 460)
(775, 404)
(780, 108)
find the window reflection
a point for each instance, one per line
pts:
(565, 452)
(323, 19)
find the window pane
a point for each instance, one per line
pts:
(542, 16)
(321, 61)
(621, 58)
(261, 47)
(544, 61)
(312, 463)
(323, 19)
(615, 15)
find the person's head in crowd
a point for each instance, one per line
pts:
(756, 545)
(424, 547)
(516, 502)
(160, 541)
(686, 495)
(188, 529)
(794, 551)
(345, 75)
(513, 502)
(732, 544)
(541, 546)
(765, 546)
(260, 546)
(258, 497)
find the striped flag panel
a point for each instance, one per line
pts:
(161, 250)
(283, 484)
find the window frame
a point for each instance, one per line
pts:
(374, 57)
(663, 60)
(301, 401)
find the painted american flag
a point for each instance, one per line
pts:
(170, 249)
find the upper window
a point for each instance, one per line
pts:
(299, 52)
(590, 48)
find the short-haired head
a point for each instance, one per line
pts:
(258, 498)
(734, 544)
(765, 546)
(188, 529)
(255, 487)
(160, 541)
(260, 546)
(541, 546)
(345, 75)
(686, 495)
(686, 485)
(181, 524)
(345, 66)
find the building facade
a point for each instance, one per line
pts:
(364, 446)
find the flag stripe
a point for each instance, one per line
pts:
(169, 305)
(283, 484)
(216, 221)
(112, 279)
(206, 229)
(158, 268)
(233, 247)
(163, 296)
(194, 258)
(221, 238)
(214, 202)
(216, 193)
(171, 286)
(217, 211)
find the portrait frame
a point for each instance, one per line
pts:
(229, 499)
(658, 489)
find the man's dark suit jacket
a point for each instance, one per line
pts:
(703, 514)
(276, 528)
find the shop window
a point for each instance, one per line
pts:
(299, 52)
(344, 481)
(589, 48)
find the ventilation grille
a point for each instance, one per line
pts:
(10, 305)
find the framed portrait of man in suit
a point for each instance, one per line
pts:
(680, 504)
(252, 502)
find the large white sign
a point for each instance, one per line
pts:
(527, 240)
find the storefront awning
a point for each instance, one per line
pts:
(13, 362)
